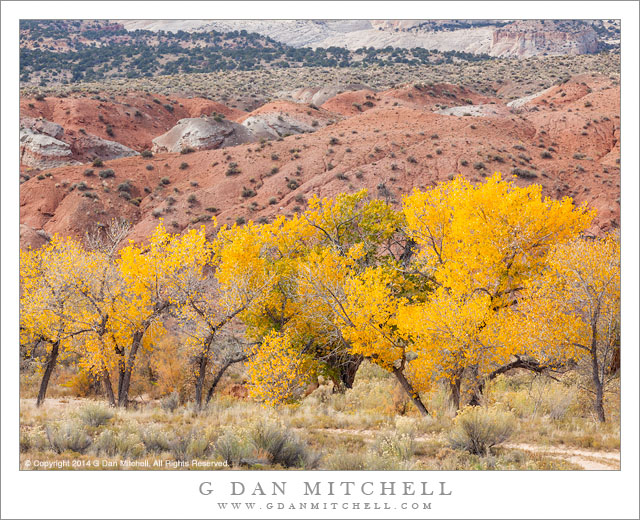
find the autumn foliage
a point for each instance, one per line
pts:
(460, 284)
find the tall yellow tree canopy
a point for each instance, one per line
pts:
(454, 285)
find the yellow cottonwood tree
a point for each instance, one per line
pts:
(50, 312)
(479, 245)
(310, 256)
(573, 311)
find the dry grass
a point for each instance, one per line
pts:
(360, 429)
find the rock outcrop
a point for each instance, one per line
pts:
(42, 126)
(43, 151)
(91, 146)
(202, 133)
(319, 96)
(524, 39)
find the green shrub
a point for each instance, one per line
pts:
(68, 436)
(525, 174)
(231, 447)
(188, 446)
(232, 169)
(187, 149)
(95, 414)
(183, 165)
(477, 429)
(282, 446)
(124, 186)
(146, 153)
(106, 174)
(112, 444)
(97, 162)
(155, 439)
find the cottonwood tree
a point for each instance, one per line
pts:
(303, 321)
(50, 311)
(573, 311)
(478, 246)
(222, 280)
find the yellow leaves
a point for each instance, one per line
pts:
(279, 369)
(497, 271)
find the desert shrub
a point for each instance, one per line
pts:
(400, 446)
(546, 155)
(232, 169)
(525, 174)
(88, 172)
(478, 166)
(192, 445)
(579, 156)
(109, 130)
(477, 429)
(106, 174)
(282, 446)
(97, 162)
(146, 153)
(240, 221)
(112, 444)
(341, 460)
(95, 414)
(187, 149)
(67, 436)
(170, 402)
(183, 165)
(155, 439)
(248, 192)
(149, 167)
(125, 186)
(165, 180)
(293, 184)
(26, 443)
(191, 199)
(232, 447)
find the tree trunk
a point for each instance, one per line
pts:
(410, 391)
(454, 386)
(51, 363)
(595, 367)
(348, 373)
(599, 398)
(108, 389)
(477, 387)
(123, 393)
(202, 366)
(220, 373)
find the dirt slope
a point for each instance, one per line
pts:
(570, 147)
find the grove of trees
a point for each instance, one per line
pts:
(462, 283)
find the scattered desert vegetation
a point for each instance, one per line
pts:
(370, 426)
(328, 272)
